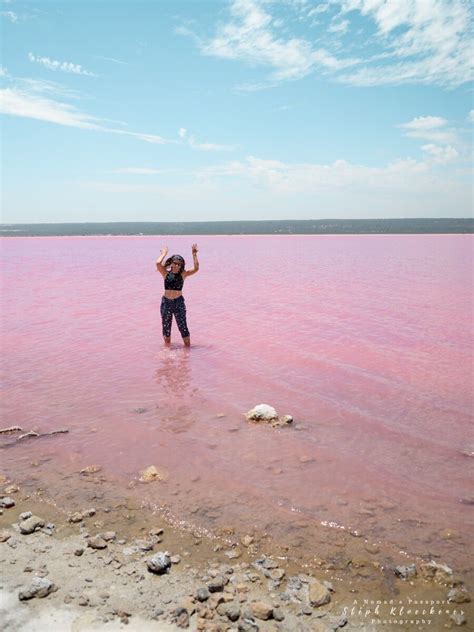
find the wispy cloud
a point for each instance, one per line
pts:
(251, 36)
(470, 116)
(339, 27)
(426, 42)
(419, 41)
(431, 128)
(10, 15)
(113, 60)
(192, 142)
(440, 155)
(29, 104)
(63, 66)
(3, 71)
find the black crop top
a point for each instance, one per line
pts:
(174, 281)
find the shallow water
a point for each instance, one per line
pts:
(366, 340)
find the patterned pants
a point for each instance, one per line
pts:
(176, 306)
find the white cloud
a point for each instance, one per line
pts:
(425, 122)
(339, 27)
(182, 132)
(441, 155)
(3, 71)
(432, 128)
(470, 116)
(64, 66)
(402, 188)
(112, 59)
(27, 104)
(250, 36)
(420, 42)
(11, 15)
(194, 144)
(433, 47)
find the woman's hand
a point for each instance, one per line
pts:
(194, 249)
(164, 251)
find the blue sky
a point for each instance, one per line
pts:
(239, 109)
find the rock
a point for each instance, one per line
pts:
(91, 469)
(405, 572)
(181, 617)
(458, 618)
(6, 502)
(31, 524)
(108, 536)
(247, 540)
(276, 574)
(278, 614)
(12, 489)
(440, 573)
(40, 587)
(79, 551)
(318, 593)
(152, 473)
(25, 515)
(88, 513)
(5, 535)
(159, 563)
(261, 610)
(262, 412)
(265, 563)
(233, 554)
(97, 542)
(202, 594)
(459, 594)
(217, 584)
(248, 625)
(175, 559)
(76, 517)
(232, 610)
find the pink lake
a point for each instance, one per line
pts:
(366, 340)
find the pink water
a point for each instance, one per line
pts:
(366, 340)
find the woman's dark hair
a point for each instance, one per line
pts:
(175, 259)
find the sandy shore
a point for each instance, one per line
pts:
(113, 564)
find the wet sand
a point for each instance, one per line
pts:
(248, 581)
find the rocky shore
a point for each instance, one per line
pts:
(118, 566)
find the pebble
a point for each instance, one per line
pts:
(40, 587)
(262, 610)
(159, 563)
(319, 594)
(79, 551)
(108, 536)
(202, 594)
(30, 525)
(175, 559)
(25, 515)
(4, 535)
(7, 502)
(458, 618)
(405, 572)
(217, 584)
(459, 594)
(96, 542)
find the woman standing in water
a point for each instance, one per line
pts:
(173, 271)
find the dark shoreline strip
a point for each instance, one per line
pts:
(257, 227)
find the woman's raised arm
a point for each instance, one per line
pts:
(159, 261)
